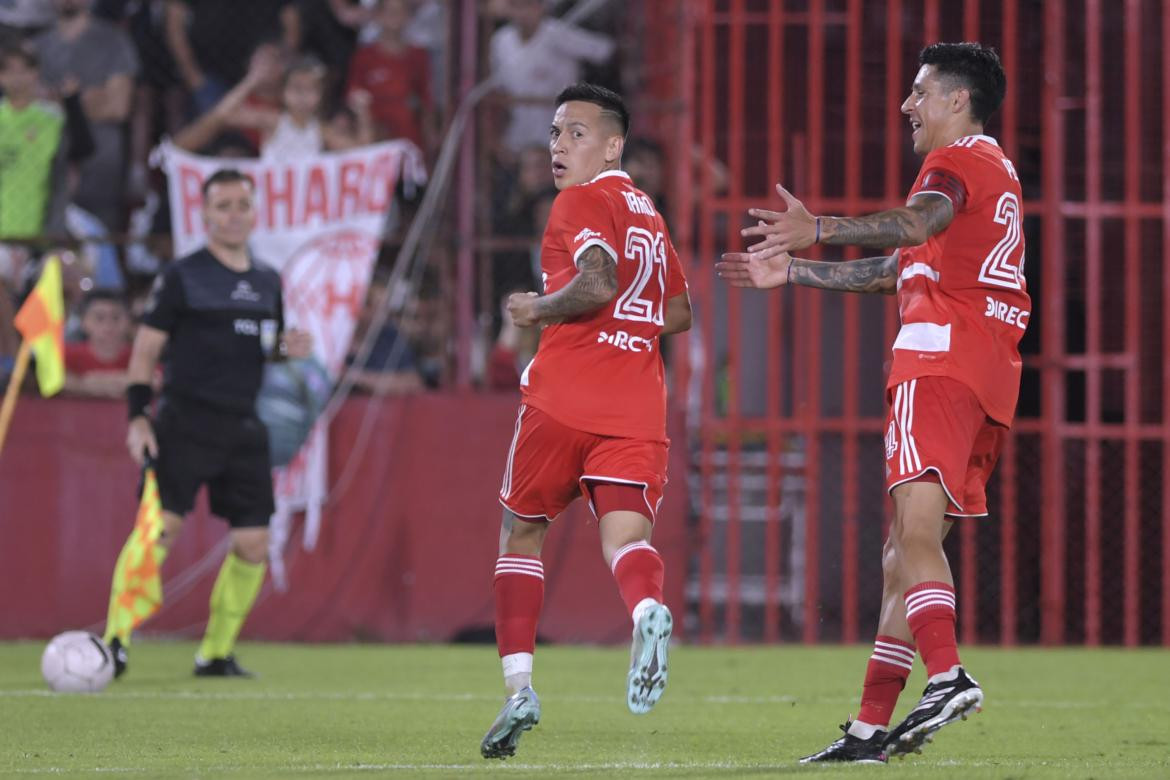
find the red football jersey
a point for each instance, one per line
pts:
(962, 297)
(601, 372)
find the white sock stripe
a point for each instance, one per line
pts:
(917, 604)
(525, 572)
(893, 660)
(535, 563)
(929, 593)
(915, 594)
(629, 548)
(523, 569)
(901, 648)
(895, 650)
(879, 652)
(949, 605)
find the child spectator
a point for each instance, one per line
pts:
(296, 128)
(97, 366)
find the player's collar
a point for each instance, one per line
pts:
(605, 174)
(970, 139)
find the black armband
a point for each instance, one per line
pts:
(139, 396)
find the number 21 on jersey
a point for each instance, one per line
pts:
(637, 303)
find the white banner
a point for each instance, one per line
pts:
(321, 220)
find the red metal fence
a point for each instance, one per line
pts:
(787, 463)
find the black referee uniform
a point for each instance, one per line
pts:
(222, 326)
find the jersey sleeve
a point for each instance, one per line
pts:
(166, 301)
(943, 174)
(583, 218)
(676, 280)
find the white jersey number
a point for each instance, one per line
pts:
(649, 251)
(997, 268)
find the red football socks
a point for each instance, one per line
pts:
(519, 589)
(930, 611)
(885, 677)
(638, 569)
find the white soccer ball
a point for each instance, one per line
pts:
(77, 662)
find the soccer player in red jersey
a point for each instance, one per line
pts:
(593, 417)
(958, 272)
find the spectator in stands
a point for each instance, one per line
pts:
(428, 29)
(527, 179)
(20, 20)
(331, 32)
(160, 100)
(36, 143)
(391, 368)
(535, 56)
(97, 366)
(397, 75)
(102, 60)
(424, 324)
(645, 161)
(212, 40)
(294, 129)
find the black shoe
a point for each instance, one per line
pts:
(853, 749)
(120, 655)
(220, 667)
(941, 703)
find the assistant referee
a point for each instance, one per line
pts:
(219, 314)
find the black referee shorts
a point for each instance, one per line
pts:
(228, 453)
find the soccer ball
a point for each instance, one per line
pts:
(291, 398)
(77, 662)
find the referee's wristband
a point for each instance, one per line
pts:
(138, 397)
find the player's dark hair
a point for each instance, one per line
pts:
(306, 64)
(973, 66)
(99, 294)
(610, 102)
(226, 176)
(15, 51)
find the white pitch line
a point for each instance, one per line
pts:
(34, 693)
(38, 693)
(481, 766)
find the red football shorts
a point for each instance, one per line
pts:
(550, 464)
(937, 432)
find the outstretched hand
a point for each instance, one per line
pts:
(783, 231)
(760, 270)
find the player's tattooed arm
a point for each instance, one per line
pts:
(868, 275)
(594, 286)
(927, 214)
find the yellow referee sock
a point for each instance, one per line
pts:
(232, 598)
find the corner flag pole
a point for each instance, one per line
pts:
(13, 390)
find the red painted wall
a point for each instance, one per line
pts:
(406, 552)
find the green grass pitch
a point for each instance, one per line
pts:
(364, 710)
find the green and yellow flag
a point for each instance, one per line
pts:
(137, 587)
(41, 322)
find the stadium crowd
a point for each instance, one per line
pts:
(91, 87)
